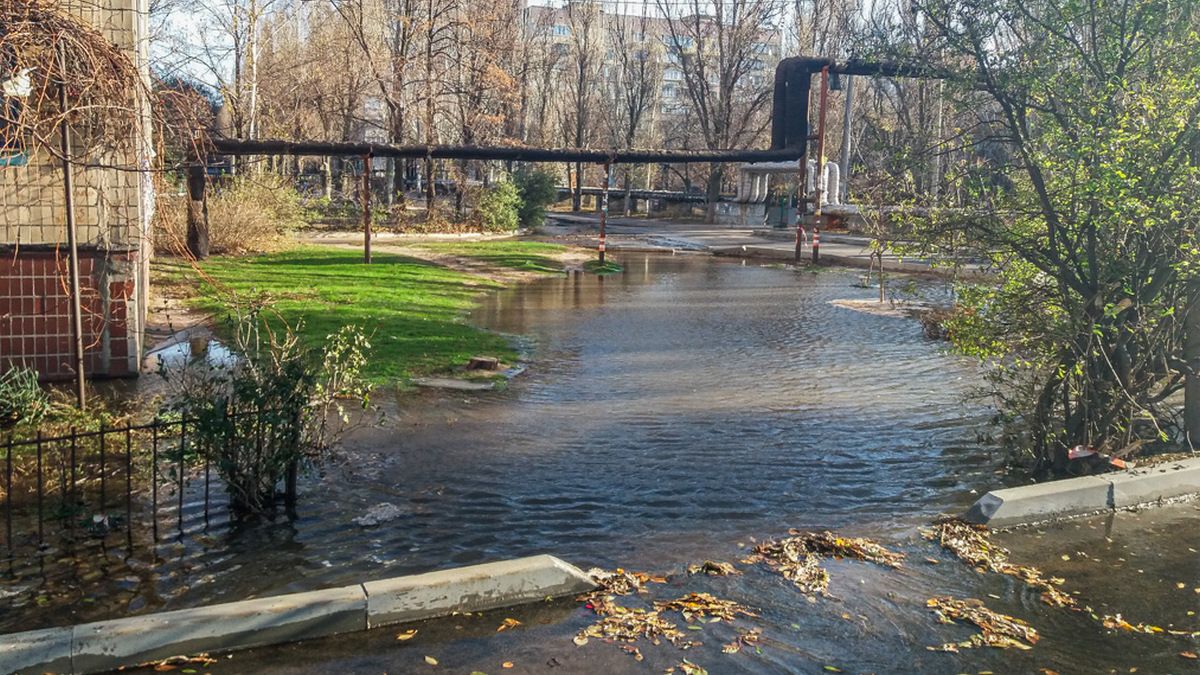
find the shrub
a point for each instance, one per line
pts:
(276, 405)
(22, 400)
(537, 189)
(498, 207)
(246, 214)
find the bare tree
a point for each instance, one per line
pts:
(721, 47)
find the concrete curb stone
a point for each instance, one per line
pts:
(472, 589)
(1086, 494)
(108, 645)
(36, 651)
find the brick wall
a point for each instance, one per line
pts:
(35, 313)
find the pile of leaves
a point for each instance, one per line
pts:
(746, 638)
(831, 545)
(695, 606)
(972, 544)
(620, 582)
(713, 568)
(626, 624)
(996, 630)
(798, 557)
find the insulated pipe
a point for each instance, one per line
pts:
(833, 185)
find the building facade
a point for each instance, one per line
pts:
(113, 204)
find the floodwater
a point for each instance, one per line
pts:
(677, 412)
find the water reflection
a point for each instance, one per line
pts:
(672, 412)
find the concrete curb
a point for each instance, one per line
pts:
(1086, 495)
(108, 645)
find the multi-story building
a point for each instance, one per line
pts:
(113, 201)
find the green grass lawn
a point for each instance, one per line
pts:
(533, 256)
(412, 310)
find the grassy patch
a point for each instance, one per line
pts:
(411, 309)
(602, 268)
(529, 256)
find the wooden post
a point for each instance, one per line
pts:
(366, 208)
(72, 242)
(197, 214)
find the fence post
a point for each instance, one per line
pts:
(289, 483)
(8, 473)
(366, 207)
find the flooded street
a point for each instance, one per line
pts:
(678, 412)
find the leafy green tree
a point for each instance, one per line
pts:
(1096, 107)
(498, 207)
(538, 189)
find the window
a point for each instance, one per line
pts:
(15, 88)
(561, 31)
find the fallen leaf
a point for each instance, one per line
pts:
(508, 623)
(431, 661)
(406, 635)
(581, 640)
(1065, 557)
(1189, 655)
(506, 664)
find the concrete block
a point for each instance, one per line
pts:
(1041, 501)
(472, 589)
(1141, 486)
(107, 645)
(36, 651)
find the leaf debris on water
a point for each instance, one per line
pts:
(687, 668)
(798, 557)
(745, 638)
(972, 544)
(507, 624)
(997, 630)
(695, 606)
(406, 635)
(713, 568)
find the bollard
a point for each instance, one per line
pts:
(816, 245)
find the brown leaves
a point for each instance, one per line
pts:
(406, 635)
(997, 630)
(713, 568)
(699, 605)
(687, 668)
(507, 624)
(972, 544)
(627, 624)
(749, 638)
(798, 557)
(175, 662)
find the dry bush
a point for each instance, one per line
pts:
(247, 214)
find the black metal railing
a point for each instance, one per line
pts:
(60, 488)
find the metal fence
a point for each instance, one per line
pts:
(61, 489)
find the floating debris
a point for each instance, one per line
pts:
(628, 624)
(798, 557)
(831, 545)
(687, 668)
(972, 544)
(695, 606)
(620, 582)
(379, 514)
(792, 559)
(1115, 622)
(175, 662)
(997, 630)
(508, 624)
(713, 568)
(748, 638)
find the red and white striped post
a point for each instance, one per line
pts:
(816, 245)
(604, 208)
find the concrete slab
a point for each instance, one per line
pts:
(36, 651)
(1155, 483)
(472, 589)
(1041, 501)
(107, 645)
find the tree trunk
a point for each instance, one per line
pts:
(197, 214)
(1191, 388)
